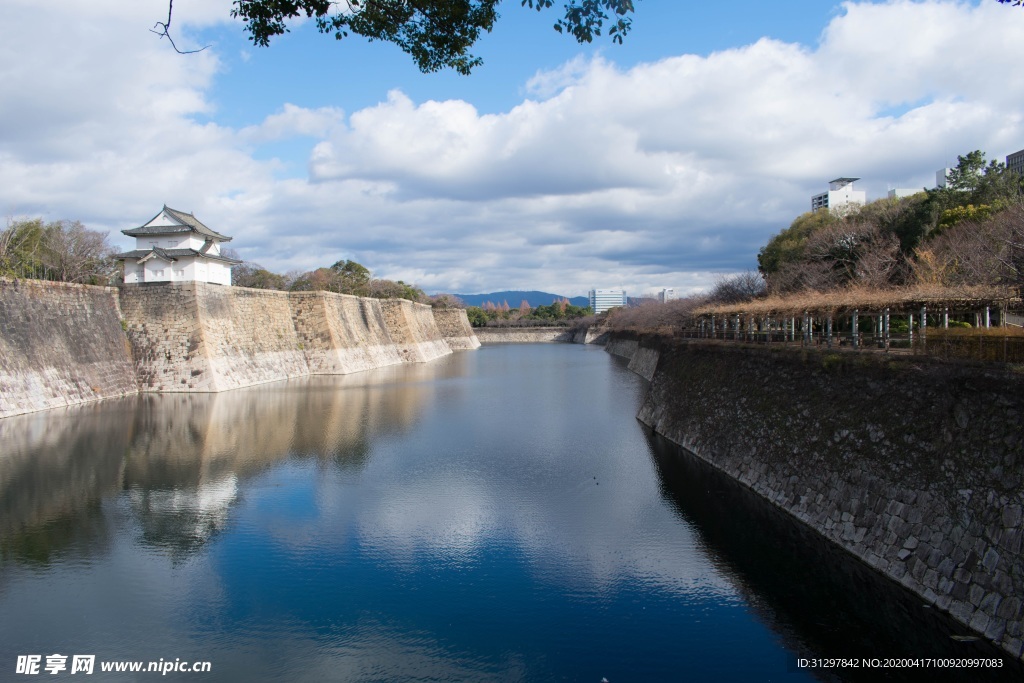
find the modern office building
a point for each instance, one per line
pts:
(603, 299)
(901, 192)
(840, 196)
(941, 176)
(667, 295)
(1015, 162)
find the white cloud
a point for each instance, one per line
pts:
(294, 121)
(653, 176)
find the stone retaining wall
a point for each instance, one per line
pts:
(201, 337)
(916, 467)
(523, 335)
(60, 344)
(341, 334)
(413, 331)
(455, 328)
(64, 344)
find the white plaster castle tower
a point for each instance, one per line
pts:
(174, 246)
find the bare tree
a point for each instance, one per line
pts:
(976, 253)
(446, 301)
(73, 253)
(738, 288)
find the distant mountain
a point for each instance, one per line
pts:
(514, 298)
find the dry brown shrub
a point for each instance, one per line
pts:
(655, 316)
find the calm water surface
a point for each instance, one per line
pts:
(495, 515)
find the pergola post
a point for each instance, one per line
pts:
(828, 325)
(855, 329)
(988, 318)
(945, 318)
(910, 328)
(885, 331)
(924, 326)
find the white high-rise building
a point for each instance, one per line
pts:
(602, 300)
(667, 295)
(840, 196)
(1015, 162)
(901, 192)
(941, 176)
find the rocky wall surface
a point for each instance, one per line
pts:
(413, 330)
(590, 335)
(914, 466)
(249, 335)
(523, 335)
(340, 334)
(201, 337)
(64, 344)
(166, 337)
(623, 347)
(644, 362)
(60, 344)
(455, 329)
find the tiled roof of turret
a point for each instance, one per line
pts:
(188, 223)
(172, 255)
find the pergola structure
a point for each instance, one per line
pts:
(836, 318)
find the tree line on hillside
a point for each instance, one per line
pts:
(67, 251)
(969, 232)
(343, 277)
(652, 315)
(558, 313)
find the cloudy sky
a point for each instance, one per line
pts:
(660, 163)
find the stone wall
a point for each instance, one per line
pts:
(201, 337)
(249, 335)
(523, 335)
(912, 465)
(60, 344)
(622, 347)
(64, 344)
(413, 330)
(455, 328)
(341, 334)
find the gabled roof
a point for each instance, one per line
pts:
(172, 255)
(186, 222)
(157, 252)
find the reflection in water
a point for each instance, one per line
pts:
(181, 455)
(495, 515)
(816, 596)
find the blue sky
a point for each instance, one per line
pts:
(664, 162)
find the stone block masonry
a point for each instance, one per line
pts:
(413, 330)
(455, 328)
(65, 344)
(201, 337)
(341, 334)
(525, 335)
(60, 344)
(204, 337)
(914, 466)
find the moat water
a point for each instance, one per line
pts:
(497, 515)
